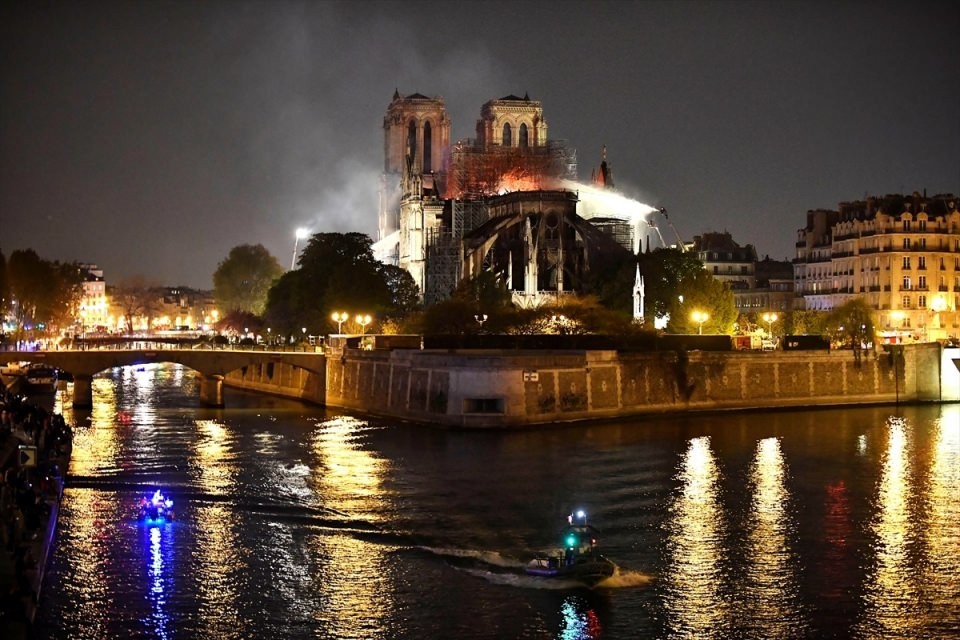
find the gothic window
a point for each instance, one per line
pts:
(522, 142)
(412, 139)
(427, 148)
(507, 135)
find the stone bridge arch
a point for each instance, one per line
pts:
(212, 364)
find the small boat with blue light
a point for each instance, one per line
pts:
(579, 560)
(156, 508)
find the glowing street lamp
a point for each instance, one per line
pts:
(769, 318)
(480, 318)
(340, 317)
(299, 235)
(700, 317)
(363, 321)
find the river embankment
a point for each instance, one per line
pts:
(503, 388)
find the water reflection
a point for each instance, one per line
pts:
(159, 572)
(91, 595)
(890, 592)
(355, 573)
(772, 609)
(579, 620)
(942, 530)
(695, 529)
(219, 560)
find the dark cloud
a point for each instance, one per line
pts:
(152, 137)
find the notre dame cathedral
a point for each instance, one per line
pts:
(504, 201)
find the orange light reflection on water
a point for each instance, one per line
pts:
(220, 560)
(695, 529)
(771, 586)
(355, 572)
(890, 591)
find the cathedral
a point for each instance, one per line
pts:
(504, 201)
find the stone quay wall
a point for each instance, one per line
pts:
(280, 379)
(475, 388)
(501, 388)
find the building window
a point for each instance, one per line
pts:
(906, 282)
(523, 136)
(922, 282)
(922, 302)
(906, 225)
(906, 262)
(921, 262)
(507, 135)
(427, 148)
(412, 140)
(906, 302)
(923, 243)
(922, 225)
(906, 243)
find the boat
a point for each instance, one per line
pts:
(156, 508)
(579, 560)
(39, 378)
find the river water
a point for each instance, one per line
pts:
(299, 522)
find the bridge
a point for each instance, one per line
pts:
(212, 364)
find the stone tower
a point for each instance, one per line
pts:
(416, 136)
(512, 122)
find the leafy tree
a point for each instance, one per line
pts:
(404, 292)
(852, 325)
(664, 272)
(337, 272)
(702, 292)
(242, 280)
(805, 322)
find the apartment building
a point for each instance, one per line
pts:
(901, 253)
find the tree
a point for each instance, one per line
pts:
(701, 292)
(337, 272)
(243, 279)
(136, 297)
(851, 324)
(404, 292)
(41, 293)
(664, 272)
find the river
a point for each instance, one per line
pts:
(299, 522)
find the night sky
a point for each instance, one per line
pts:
(152, 137)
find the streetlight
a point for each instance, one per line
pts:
(769, 318)
(298, 235)
(340, 317)
(700, 317)
(363, 321)
(480, 318)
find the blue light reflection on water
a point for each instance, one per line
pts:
(159, 546)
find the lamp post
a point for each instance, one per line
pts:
(363, 320)
(298, 235)
(769, 318)
(480, 318)
(340, 317)
(700, 317)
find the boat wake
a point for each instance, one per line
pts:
(624, 579)
(497, 568)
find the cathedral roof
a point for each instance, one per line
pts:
(418, 96)
(514, 98)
